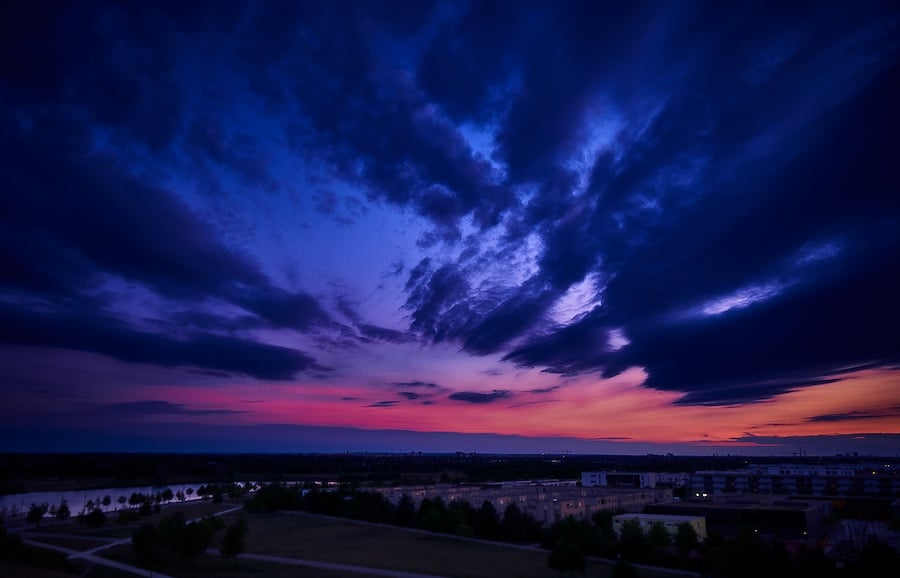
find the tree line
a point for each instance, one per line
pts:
(93, 515)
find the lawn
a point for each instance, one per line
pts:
(345, 542)
(305, 537)
(209, 565)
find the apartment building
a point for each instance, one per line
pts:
(545, 503)
(811, 480)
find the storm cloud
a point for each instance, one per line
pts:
(400, 195)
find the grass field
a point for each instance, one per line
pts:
(206, 566)
(72, 543)
(305, 537)
(331, 540)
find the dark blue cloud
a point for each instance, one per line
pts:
(854, 415)
(63, 247)
(478, 397)
(390, 403)
(367, 332)
(89, 331)
(107, 220)
(423, 391)
(473, 52)
(157, 408)
(366, 116)
(758, 162)
(541, 390)
(284, 309)
(417, 384)
(726, 171)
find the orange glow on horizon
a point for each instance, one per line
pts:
(585, 407)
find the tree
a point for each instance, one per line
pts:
(601, 538)
(876, 559)
(748, 555)
(715, 560)
(686, 539)
(658, 537)
(95, 518)
(106, 501)
(781, 564)
(233, 540)
(516, 525)
(36, 513)
(432, 521)
(487, 521)
(136, 499)
(125, 517)
(603, 519)
(187, 539)
(62, 512)
(632, 540)
(171, 530)
(122, 500)
(198, 536)
(167, 495)
(146, 544)
(456, 522)
(4, 538)
(406, 511)
(814, 562)
(189, 492)
(568, 551)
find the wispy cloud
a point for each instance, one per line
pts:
(479, 397)
(157, 408)
(383, 404)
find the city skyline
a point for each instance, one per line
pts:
(441, 226)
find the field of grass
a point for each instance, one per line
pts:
(210, 565)
(16, 570)
(345, 542)
(71, 542)
(305, 537)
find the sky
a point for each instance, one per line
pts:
(540, 226)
